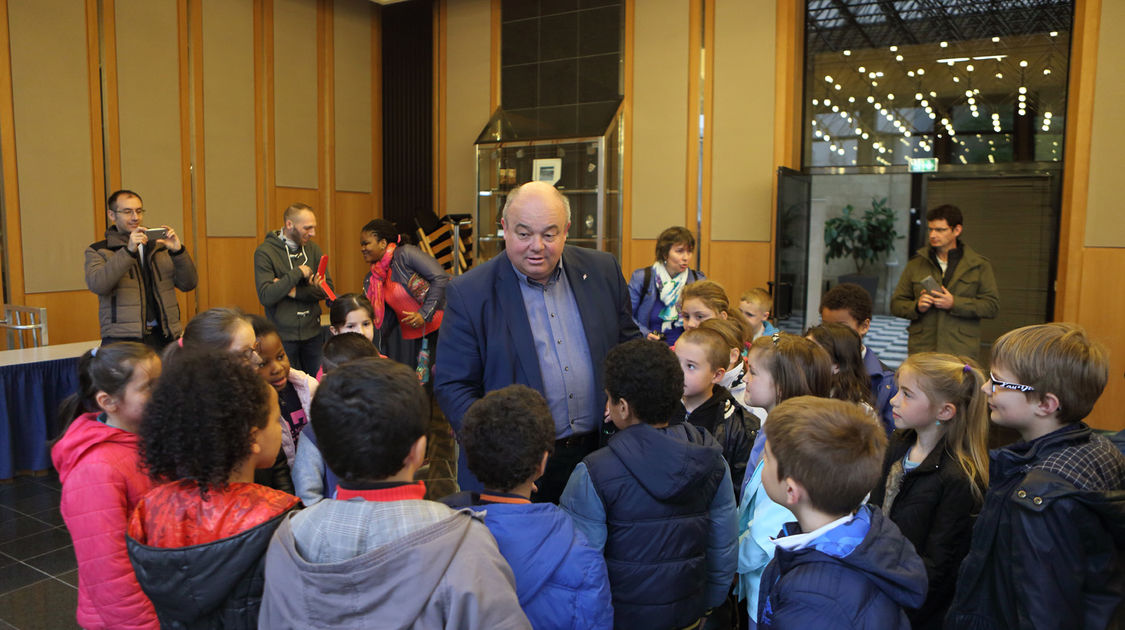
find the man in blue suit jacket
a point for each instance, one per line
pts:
(542, 315)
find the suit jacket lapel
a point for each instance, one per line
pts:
(515, 315)
(578, 277)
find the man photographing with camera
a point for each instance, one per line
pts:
(135, 276)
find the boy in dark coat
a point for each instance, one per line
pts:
(842, 564)
(658, 499)
(704, 357)
(561, 581)
(1047, 546)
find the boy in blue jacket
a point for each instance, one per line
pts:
(1047, 545)
(657, 499)
(561, 581)
(842, 564)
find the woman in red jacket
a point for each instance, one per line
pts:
(101, 483)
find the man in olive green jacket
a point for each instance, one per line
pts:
(946, 318)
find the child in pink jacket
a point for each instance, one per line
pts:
(101, 482)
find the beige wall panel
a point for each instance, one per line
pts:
(148, 94)
(1104, 227)
(51, 103)
(351, 32)
(742, 169)
(467, 104)
(660, 112)
(295, 93)
(228, 117)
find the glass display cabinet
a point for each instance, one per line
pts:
(581, 156)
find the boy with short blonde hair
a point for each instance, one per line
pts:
(1046, 548)
(704, 356)
(842, 564)
(756, 305)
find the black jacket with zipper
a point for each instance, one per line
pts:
(934, 508)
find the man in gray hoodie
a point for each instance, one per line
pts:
(285, 266)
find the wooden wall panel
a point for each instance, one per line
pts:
(232, 282)
(295, 92)
(351, 37)
(1100, 312)
(228, 117)
(466, 98)
(660, 116)
(739, 266)
(148, 106)
(742, 176)
(352, 212)
(57, 140)
(637, 253)
(71, 315)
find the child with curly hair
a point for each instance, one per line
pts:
(197, 540)
(560, 579)
(101, 484)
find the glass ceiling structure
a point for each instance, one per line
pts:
(966, 81)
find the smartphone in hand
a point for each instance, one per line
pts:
(931, 285)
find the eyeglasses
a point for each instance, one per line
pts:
(1012, 386)
(251, 356)
(130, 212)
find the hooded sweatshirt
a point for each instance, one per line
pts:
(388, 565)
(561, 581)
(659, 502)
(860, 574)
(101, 484)
(276, 273)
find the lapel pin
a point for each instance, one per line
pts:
(583, 276)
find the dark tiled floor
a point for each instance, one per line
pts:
(38, 573)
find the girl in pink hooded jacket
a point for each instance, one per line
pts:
(101, 482)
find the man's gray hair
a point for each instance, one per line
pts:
(514, 197)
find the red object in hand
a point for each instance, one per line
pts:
(320, 269)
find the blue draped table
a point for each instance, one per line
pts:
(32, 384)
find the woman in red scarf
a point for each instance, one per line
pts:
(406, 287)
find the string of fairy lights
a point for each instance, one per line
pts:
(901, 101)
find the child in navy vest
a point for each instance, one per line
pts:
(657, 499)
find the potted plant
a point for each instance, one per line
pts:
(865, 240)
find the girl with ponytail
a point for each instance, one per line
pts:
(936, 468)
(97, 463)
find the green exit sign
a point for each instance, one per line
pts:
(922, 165)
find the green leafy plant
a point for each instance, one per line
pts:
(865, 240)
